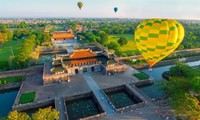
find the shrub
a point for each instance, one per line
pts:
(27, 98)
(141, 76)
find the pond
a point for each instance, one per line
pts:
(155, 91)
(7, 99)
(81, 108)
(121, 99)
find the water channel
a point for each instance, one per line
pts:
(155, 91)
(7, 99)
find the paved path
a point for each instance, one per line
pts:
(100, 95)
(59, 103)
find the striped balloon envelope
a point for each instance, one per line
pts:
(157, 38)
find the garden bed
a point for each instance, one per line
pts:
(27, 98)
(141, 76)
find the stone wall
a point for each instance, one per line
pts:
(55, 78)
(114, 89)
(116, 68)
(34, 105)
(142, 83)
(71, 70)
(21, 72)
(8, 86)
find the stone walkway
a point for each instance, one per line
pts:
(100, 95)
(59, 103)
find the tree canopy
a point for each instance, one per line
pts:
(15, 115)
(182, 89)
(122, 41)
(48, 113)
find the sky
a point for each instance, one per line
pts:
(176, 9)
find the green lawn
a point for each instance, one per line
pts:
(130, 48)
(11, 79)
(27, 98)
(141, 76)
(5, 49)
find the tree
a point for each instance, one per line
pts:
(186, 105)
(179, 87)
(183, 70)
(122, 41)
(113, 45)
(15, 115)
(23, 25)
(104, 38)
(3, 27)
(181, 47)
(3, 38)
(195, 84)
(5, 34)
(46, 114)
(25, 52)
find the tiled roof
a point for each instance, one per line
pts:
(82, 54)
(63, 35)
(83, 61)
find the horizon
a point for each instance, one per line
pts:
(65, 18)
(143, 9)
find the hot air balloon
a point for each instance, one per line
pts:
(157, 38)
(115, 9)
(80, 5)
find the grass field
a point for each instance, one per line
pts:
(27, 98)
(5, 49)
(11, 79)
(130, 48)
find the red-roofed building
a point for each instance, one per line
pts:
(82, 61)
(84, 53)
(63, 37)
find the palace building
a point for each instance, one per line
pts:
(63, 37)
(79, 62)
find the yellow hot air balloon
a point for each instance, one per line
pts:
(157, 38)
(80, 5)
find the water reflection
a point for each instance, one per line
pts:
(7, 99)
(81, 108)
(155, 91)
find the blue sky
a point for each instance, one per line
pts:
(178, 9)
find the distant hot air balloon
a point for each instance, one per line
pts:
(115, 9)
(80, 5)
(157, 38)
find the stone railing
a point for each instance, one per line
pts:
(65, 107)
(93, 116)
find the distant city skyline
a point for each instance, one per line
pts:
(176, 9)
